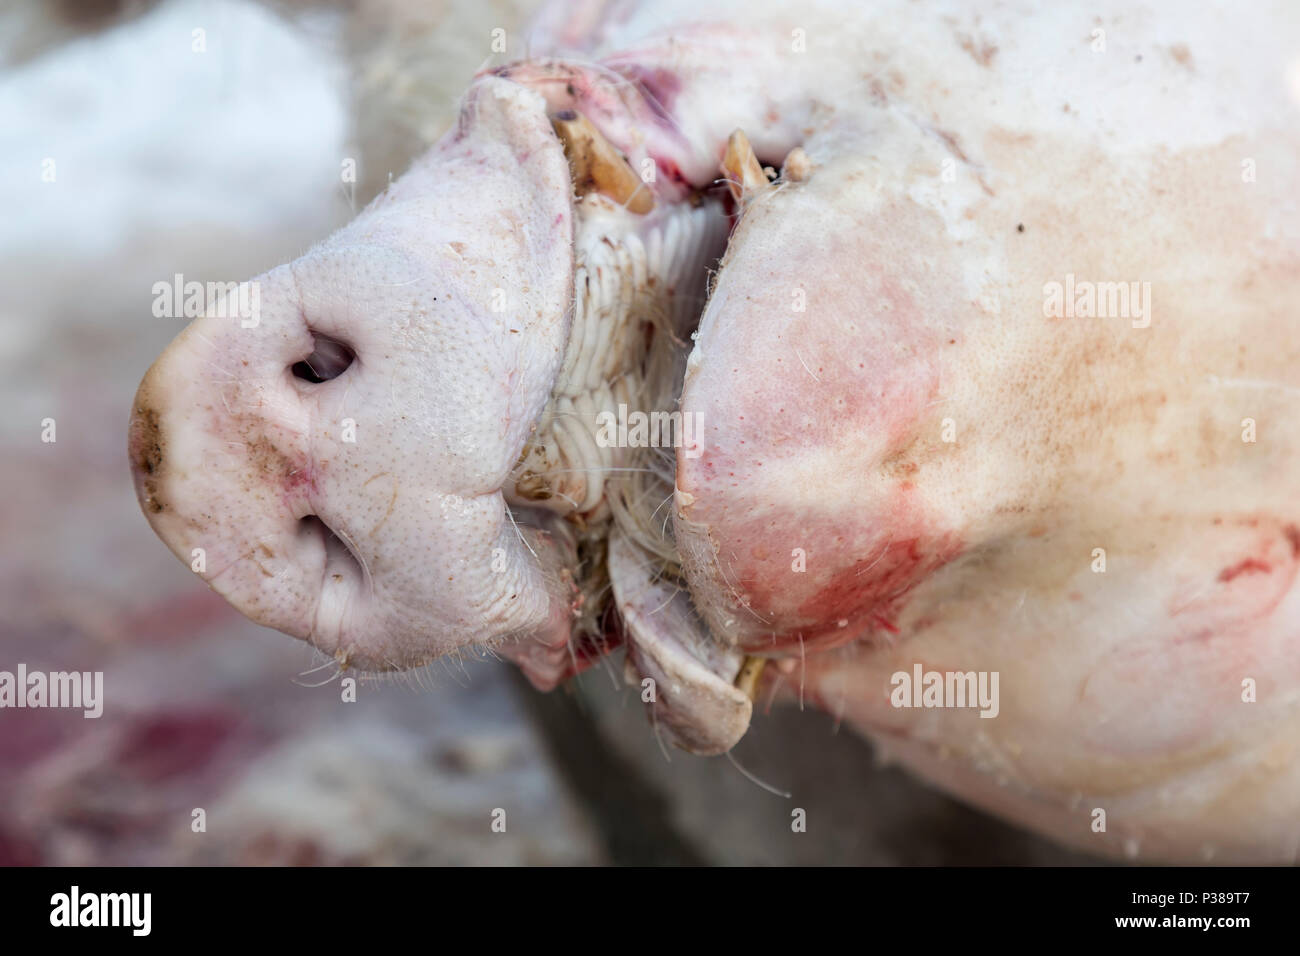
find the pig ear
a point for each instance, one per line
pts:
(687, 679)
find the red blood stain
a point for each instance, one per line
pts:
(1293, 536)
(668, 169)
(1257, 583)
(843, 596)
(161, 746)
(17, 850)
(873, 590)
(299, 483)
(301, 480)
(27, 736)
(589, 648)
(887, 625)
(1248, 566)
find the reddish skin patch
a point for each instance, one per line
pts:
(882, 398)
(300, 482)
(296, 477)
(881, 622)
(1293, 536)
(862, 568)
(858, 571)
(298, 486)
(577, 653)
(589, 648)
(870, 575)
(1252, 588)
(661, 88)
(601, 95)
(850, 381)
(668, 169)
(1249, 566)
(869, 582)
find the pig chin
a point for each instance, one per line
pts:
(398, 456)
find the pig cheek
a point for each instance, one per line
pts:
(816, 423)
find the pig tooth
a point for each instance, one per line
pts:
(747, 679)
(598, 166)
(797, 167)
(745, 177)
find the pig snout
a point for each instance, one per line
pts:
(331, 461)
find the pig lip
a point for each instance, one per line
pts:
(697, 700)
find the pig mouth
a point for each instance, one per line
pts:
(639, 287)
(638, 290)
(600, 461)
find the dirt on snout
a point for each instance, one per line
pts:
(146, 450)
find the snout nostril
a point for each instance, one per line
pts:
(329, 359)
(341, 563)
(310, 526)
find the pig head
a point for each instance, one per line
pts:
(921, 448)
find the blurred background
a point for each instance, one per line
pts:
(143, 139)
